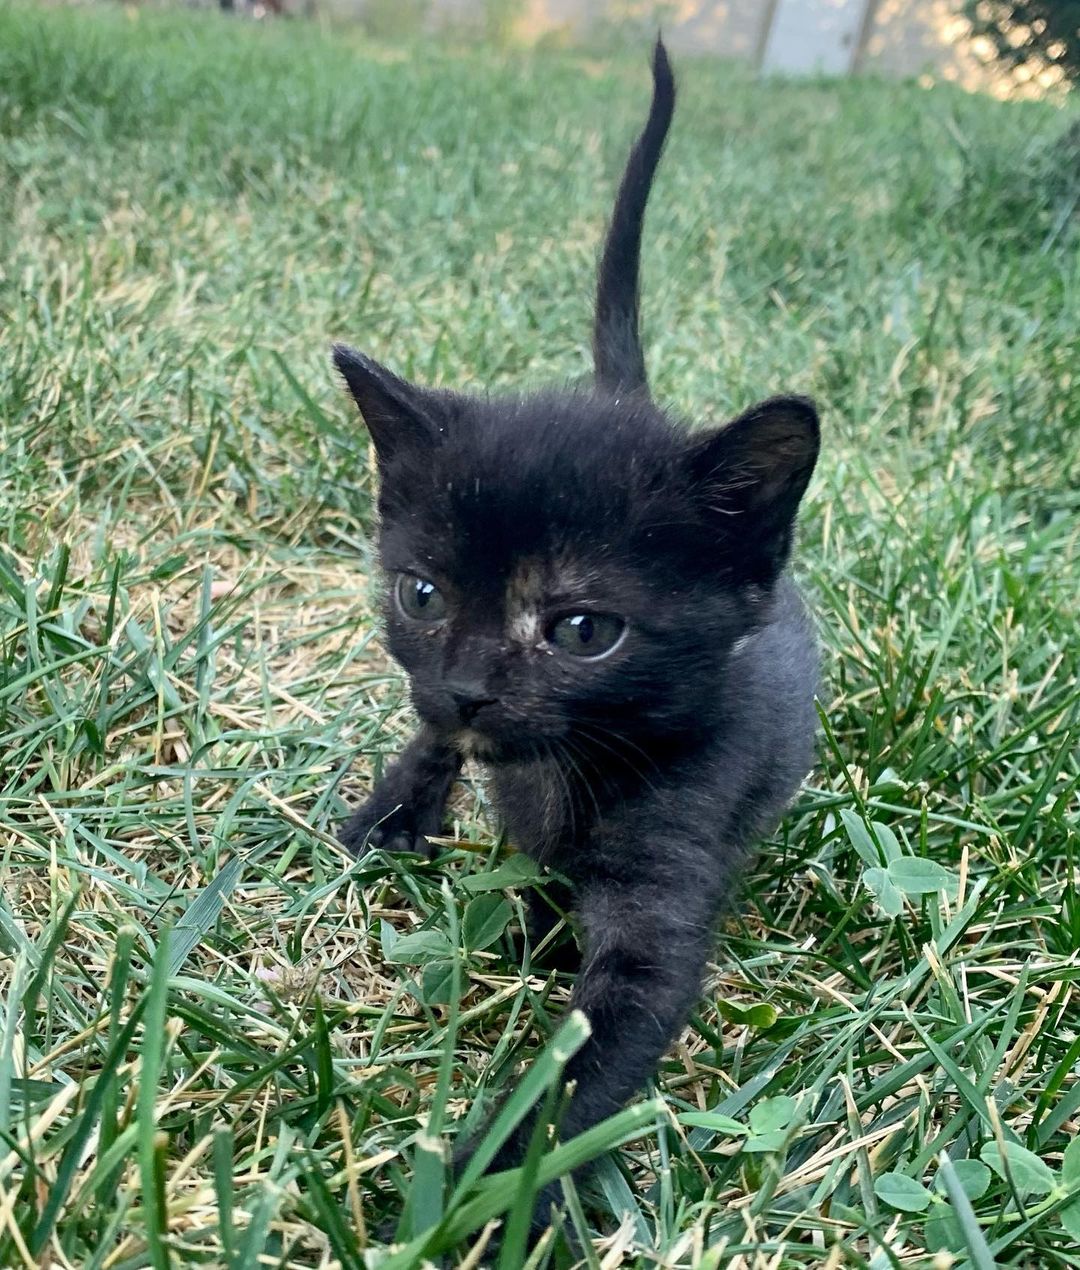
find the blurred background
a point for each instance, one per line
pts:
(1004, 48)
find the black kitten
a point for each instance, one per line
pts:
(591, 600)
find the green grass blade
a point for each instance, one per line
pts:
(153, 1143)
(541, 1076)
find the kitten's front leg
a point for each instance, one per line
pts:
(407, 805)
(646, 945)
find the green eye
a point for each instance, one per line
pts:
(587, 634)
(419, 599)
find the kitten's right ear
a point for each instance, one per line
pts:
(750, 476)
(398, 414)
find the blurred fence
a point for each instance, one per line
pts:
(889, 37)
(897, 36)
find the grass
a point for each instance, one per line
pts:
(223, 1043)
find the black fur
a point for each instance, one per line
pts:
(645, 775)
(616, 337)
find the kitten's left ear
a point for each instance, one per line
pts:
(399, 415)
(751, 475)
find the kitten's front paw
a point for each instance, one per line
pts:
(385, 823)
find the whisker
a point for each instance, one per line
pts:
(586, 785)
(597, 737)
(567, 793)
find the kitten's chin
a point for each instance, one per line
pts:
(486, 749)
(474, 745)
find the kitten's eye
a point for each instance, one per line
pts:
(587, 634)
(419, 599)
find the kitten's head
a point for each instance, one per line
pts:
(568, 566)
(570, 570)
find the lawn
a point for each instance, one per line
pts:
(224, 1043)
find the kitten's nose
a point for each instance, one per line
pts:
(470, 699)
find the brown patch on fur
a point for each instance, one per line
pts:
(530, 591)
(525, 603)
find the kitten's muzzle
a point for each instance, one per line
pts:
(469, 700)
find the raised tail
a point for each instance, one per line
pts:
(617, 356)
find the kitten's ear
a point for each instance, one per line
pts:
(398, 414)
(751, 475)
